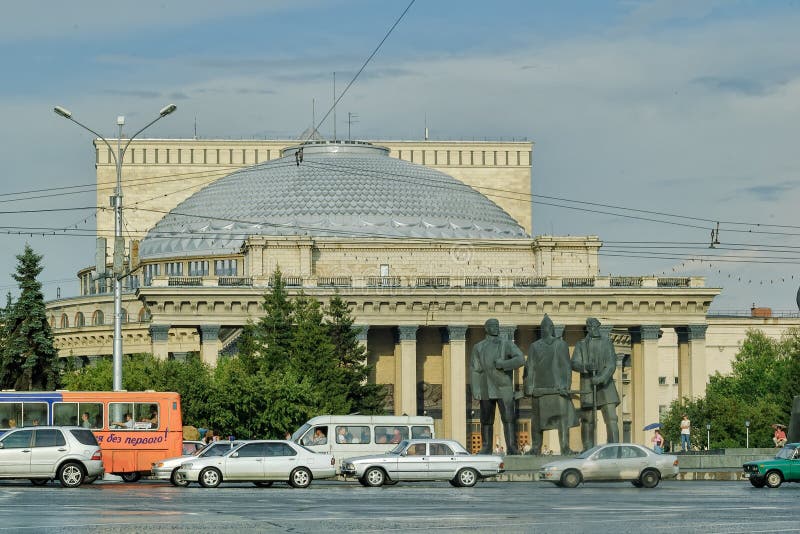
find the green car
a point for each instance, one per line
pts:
(785, 467)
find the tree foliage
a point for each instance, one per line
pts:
(28, 358)
(764, 378)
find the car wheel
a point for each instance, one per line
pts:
(649, 478)
(263, 484)
(131, 477)
(39, 481)
(636, 483)
(774, 479)
(570, 478)
(178, 480)
(467, 477)
(300, 478)
(757, 482)
(210, 477)
(375, 477)
(71, 475)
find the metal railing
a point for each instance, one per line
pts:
(334, 281)
(482, 281)
(383, 281)
(626, 281)
(433, 281)
(530, 281)
(185, 281)
(293, 281)
(235, 281)
(682, 281)
(577, 281)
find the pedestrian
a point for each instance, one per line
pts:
(686, 429)
(658, 442)
(780, 436)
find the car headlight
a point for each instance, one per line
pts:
(349, 466)
(549, 468)
(158, 464)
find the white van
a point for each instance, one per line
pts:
(345, 436)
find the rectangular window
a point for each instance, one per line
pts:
(352, 434)
(85, 414)
(384, 270)
(133, 416)
(390, 434)
(675, 380)
(225, 267)
(198, 268)
(174, 268)
(662, 380)
(150, 271)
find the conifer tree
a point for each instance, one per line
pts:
(29, 359)
(266, 344)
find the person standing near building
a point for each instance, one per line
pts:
(686, 430)
(658, 442)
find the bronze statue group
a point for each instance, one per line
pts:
(547, 380)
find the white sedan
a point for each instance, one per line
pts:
(423, 459)
(262, 463)
(641, 466)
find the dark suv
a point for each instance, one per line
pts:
(43, 453)
(785, 467)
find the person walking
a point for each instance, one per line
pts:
(686, 429)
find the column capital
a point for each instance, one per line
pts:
(645, 332)
(209, 332)
(407, 332)
(361, 331)
(508, 331)
(457, 332)
(692, 332)
(159, 332)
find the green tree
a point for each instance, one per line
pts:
(364, 398)
(29, 360)
(764, 378)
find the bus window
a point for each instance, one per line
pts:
(420, 432)
(10, 414)
(71, 414)
(133, 415)
(34, 413)
(390, 434)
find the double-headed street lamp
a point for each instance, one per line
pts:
(118, 269)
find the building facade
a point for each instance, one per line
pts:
(424, 240)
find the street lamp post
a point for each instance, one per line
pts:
(747, 430)
(708, 436)
(118, 269)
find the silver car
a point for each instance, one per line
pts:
(262, 463)
(423, 459)
(168, 469)
(44, 453)
(641, 466)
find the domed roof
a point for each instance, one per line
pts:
(344, 189)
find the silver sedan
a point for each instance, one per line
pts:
(641, 466)
(262, 463)
(423, 459)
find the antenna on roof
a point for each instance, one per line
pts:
(426, 125)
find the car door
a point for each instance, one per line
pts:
(279, 461)
(632, 461)
(413, 463)
(245, 463)
(602, 465)
(49, 446)
(442, 461)
(15, 455)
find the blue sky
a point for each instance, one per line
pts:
(684, 107)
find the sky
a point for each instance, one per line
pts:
(653, 121)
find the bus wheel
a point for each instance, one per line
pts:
(131, 477)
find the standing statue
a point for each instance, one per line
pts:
(492, 364)
(594, 358)
(548, 377)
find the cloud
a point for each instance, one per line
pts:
(133, 93)
(774, 192)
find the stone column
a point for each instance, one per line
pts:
(454, 409)
(644, 380)
(405, 400)
(159, 340)
(697, 359)
(209, 344)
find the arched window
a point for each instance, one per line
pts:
(80, 320)
(64, 321)
(97, 318)
(144, 315)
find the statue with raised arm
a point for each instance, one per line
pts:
(594, 358)
(548, 377)
(492, 365)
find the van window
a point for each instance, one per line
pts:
(133, 415)
(316, 436)
(352, 434)
(420, 432)
(390, 434)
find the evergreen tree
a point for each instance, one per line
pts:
(266, 345)
(29, 358)
(364, 398)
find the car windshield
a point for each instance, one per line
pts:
(400, 448)
(214, 449)
(588, 452)
(787, 452)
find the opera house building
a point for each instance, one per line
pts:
(425, 240)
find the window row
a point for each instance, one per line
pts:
(98, 319)
(356, 434)
(120, 416)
